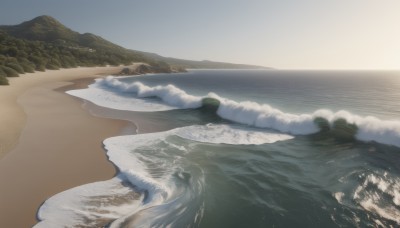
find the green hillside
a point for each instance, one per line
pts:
(44, 43)
(43, 28)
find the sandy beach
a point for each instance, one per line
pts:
(48, 142)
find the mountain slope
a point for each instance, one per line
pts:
(48, 29)
(43, 28)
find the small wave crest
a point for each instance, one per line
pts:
(341, 124)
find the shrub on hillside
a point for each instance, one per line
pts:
(3, 80)
(36, 60)
(16, 67)
(28, 68)
(2, 73)
(52, 66)
(40, 67)
(26, 65)
(65, 64)
(10, 72)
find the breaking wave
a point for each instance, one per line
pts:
(112, 93)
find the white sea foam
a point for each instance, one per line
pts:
(134, 169)
(218, 133)
(339, 196)
(371, 195)
(112, 100)
(86, 203)
(112, 93)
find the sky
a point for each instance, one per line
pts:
(284, 34)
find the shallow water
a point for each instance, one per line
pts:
(256, 159)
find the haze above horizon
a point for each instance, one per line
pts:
(297, 34)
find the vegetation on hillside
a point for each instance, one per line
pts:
(18, 56)
(44, 43)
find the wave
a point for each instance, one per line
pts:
(169, 94)
(341, 124)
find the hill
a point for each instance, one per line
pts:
(45, 43)
(48, 29)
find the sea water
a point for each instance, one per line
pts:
(246, 148)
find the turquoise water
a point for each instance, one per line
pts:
(256, 159)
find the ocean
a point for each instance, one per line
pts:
(245, 148)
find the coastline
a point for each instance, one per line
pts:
(49, 142)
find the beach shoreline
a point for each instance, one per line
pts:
(49, 142)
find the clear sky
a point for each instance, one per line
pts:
(285, 34)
